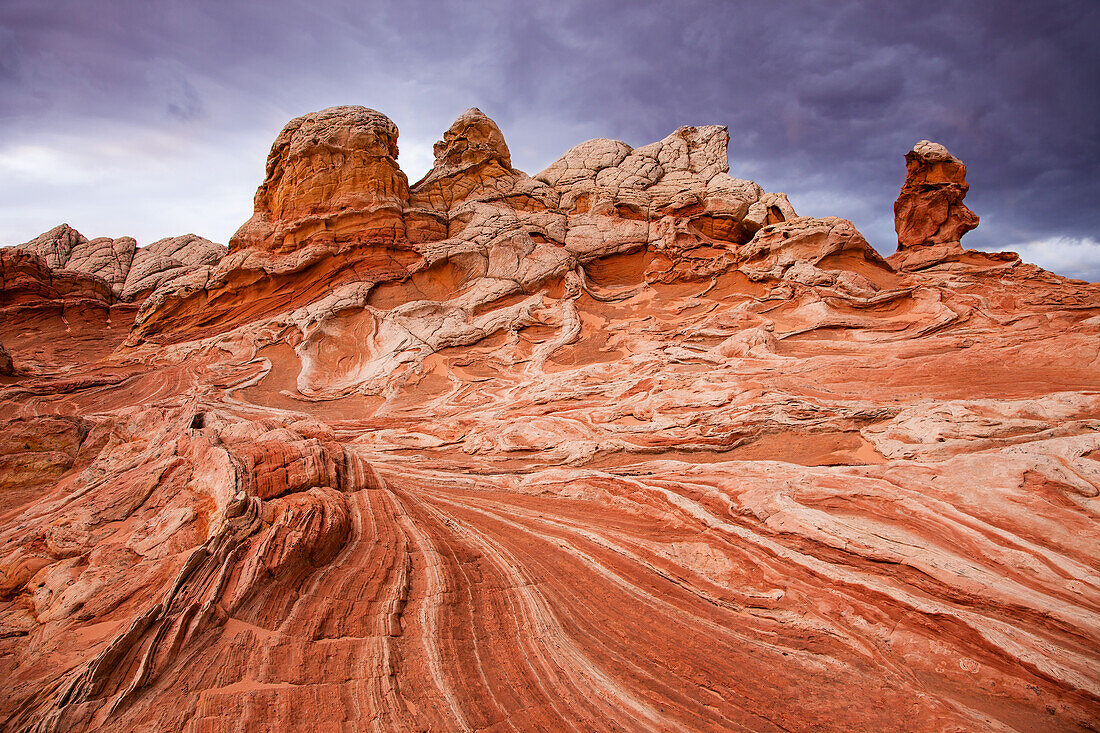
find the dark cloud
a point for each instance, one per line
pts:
(181, 98)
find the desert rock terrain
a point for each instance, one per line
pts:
(623, 445)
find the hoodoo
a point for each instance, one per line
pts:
(626, 444)
(332, 176)
(930, 208)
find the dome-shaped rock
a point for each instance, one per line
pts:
(332, 176)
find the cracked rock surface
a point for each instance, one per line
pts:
(624, 445)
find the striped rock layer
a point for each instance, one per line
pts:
(625, 445)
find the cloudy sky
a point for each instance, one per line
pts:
(152, 119)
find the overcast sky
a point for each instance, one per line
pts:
(152, 119)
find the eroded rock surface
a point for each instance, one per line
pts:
(332, 177)
(56, 245)
(625, 445)
(930, 208)
(929, 214)
(130, 272)
(105, 258)
(64, 248)
(471, 157)
(169, 259)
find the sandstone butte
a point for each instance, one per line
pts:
(624, 445)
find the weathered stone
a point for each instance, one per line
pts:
(930, 208)
(26, 279)
(332, 177)
(56, 245)
(105, 258)
(815, 252)
(168, 259)
(626, 446)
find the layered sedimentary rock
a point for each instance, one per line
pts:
(57, 322)
(929, 214)
(65, 300)
(475, 227)
(26, 279)
(930, 208)
(332, 177)
(624, 445)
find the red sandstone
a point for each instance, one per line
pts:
(626, 445)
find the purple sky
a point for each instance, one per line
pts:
(152, 119)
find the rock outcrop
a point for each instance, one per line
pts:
(129, 272)
(169, 259)
(471, 157)
(332, 177)
(56, 245)
(827, 252)
(930, 216)
(623, 445)
(104, 258)
(64, 248)
(26, 280)
(930, 208)
(474, 227)
(71, 300)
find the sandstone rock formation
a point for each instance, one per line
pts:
(332, 177)
(166, 260)
(475, 228)
(27, 280)
(472, 155)
(56, 245)
(64, 248)
(930, 208)
(929, 214)
(130, 273)
(72, 300)
(106, 258)
(624, 445)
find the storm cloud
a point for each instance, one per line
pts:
(154, 119)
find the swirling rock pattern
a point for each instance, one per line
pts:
(626, 445)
